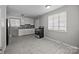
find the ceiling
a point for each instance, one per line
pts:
(30, 10)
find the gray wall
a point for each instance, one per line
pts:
(72, 35)
(3, 26)
(37, 23)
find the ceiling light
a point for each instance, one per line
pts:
(47, 6)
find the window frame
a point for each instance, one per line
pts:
(59, 22)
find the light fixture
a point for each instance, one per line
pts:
(47, 6)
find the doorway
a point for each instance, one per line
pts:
(7, 34)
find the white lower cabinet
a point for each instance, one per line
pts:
(25, 32)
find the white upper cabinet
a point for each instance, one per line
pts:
(27, 21)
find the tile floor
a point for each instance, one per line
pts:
(31, 45)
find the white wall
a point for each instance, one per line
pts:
(3, 26)
(72, 35)
(36, 22)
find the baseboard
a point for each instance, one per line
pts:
(4, 50)
(1, 51)
(57, 41)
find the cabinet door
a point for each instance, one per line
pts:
(21, 32)
(27, 21)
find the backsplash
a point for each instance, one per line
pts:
(26, 26)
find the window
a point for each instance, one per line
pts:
(57, 21)
(15, 22)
